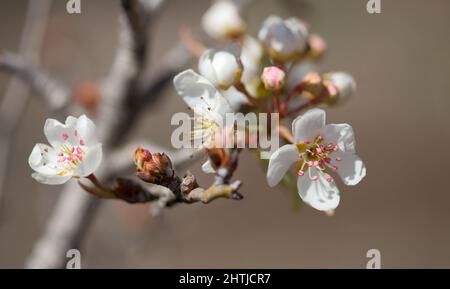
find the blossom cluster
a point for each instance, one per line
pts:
(275, 72)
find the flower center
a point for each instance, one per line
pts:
(317, 154)
(70, 157)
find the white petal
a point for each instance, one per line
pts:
(40, 157)
(226, 68)
(198, 93)
(205, 66)
(251, 55)
(207, 168)
(299, 31)
(54, 130)
(51, 179)
(280, 162)
(307, 126)
(265, 32)
(320, 194)
(86, 131)
(222, 20)
(341, 135)
(351, 168)
(91, 161)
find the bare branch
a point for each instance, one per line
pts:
(53, 92)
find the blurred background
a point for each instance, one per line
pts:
(400, 115)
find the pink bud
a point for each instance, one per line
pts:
(273, 78)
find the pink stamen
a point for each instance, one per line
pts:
(301, 173)
(329, 178)
(307, 142)
(82, 142)
(65, 136)
(75, 133)
(335, 168)
(314, 178)
(338, 159)
(79, 150)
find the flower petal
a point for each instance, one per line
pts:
(307, 126)
(91, 161)
(51, 179)
(86, 132)
(199, 94)
(40, 157)
(351, 168)
(205, 66)
(341, 135)
(54, 131)
(280, 162)
(320, 194)
(207, 168)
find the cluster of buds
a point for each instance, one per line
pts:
(153, 168)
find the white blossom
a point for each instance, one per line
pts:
(319, 150)
(223, 21)
(209, 105)
(283, 39)
(74, 151)
(221, 67)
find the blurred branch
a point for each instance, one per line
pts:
(75, 209)
(15, 98)
(54, 93)
(116, 113)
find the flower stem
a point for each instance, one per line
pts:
(100, 190)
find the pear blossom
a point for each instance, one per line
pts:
(223, 21)
(221, 67)
(283, 39)
(74, 151)
(209, 105)
(318, 150)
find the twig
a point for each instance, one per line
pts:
(15, 98)
(54, 93)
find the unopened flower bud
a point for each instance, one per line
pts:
(222, 21)
(222, 68)
(273, 78)
(343, 85)
(284, 39)
(153, 168)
